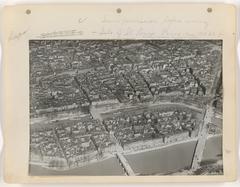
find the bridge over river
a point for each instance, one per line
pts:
(124, 163)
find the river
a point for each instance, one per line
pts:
(163, 160)
(106, 167)
(173, 158)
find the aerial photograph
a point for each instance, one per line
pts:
(125, 107)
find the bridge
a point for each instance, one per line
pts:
(202, 137)
(207, 120)
(124, 163)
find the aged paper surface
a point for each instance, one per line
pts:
(29, 29)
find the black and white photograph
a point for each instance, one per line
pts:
(125, 107)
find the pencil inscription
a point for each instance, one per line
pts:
(17, 35)
(61, 33)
